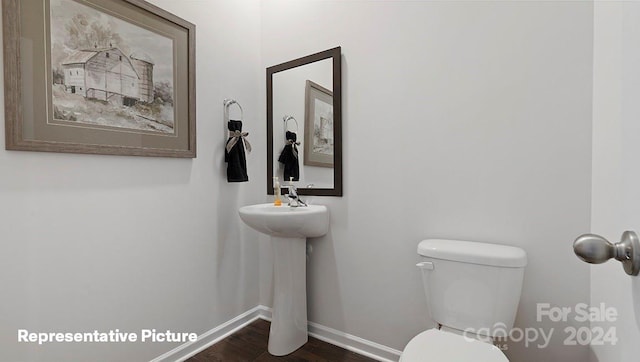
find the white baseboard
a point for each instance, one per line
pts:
(354, 343)
(211, 337)
(344, 340)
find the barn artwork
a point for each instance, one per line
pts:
(108, 72)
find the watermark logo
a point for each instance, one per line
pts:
(541, 337)
(582, 312)
(111, 336)
(538, 337)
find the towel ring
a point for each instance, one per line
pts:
(286, 119)
(228, 103)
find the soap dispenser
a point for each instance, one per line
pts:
(276, 192)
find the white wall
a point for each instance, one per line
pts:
(467, 120)
(105, 242)
(616, 153)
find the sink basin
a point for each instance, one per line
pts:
(289, 227)
(288, 222)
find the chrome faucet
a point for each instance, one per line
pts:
(292, 195)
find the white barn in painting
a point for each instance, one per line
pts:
(109, 75)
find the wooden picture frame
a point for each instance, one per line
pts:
(318, 125)
(110, 77)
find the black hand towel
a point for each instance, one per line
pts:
(289, 157)
(235, 157)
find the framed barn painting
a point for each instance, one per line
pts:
(98, 76)
(318, 125)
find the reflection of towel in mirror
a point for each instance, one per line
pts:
(289, 157)
(235, 157)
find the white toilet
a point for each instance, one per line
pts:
(473, 290)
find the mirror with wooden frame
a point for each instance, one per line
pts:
(304, 124)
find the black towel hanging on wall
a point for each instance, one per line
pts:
(234, 153)
(289, 155)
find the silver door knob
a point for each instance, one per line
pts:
(595, 249)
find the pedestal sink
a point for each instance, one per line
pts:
(288, 227)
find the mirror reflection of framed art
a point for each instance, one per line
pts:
(318, 125)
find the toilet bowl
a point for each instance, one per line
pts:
(442, 346)
(471, 287)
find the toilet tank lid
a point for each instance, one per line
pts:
(473, 252)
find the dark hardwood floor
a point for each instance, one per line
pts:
(250, 344)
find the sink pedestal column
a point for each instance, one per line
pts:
(289, 320)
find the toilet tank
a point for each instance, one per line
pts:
(472, 286)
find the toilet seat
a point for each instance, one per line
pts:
(437, 345)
